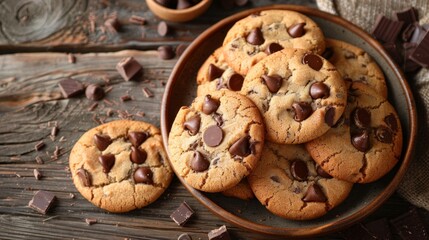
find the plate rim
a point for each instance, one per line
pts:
(305, 231)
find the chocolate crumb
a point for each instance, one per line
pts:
(62, 139)
(71, 58)
(92, 107)
(54, 131)
(125, 98)
(140, 114)
(39, 145)
(137, 20)
(71, 195)
(37, 174)
(108, 89)
(90, 221)
(109, 112)
(39, 160)
(147, 92)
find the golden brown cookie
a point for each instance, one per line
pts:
(241, 191)
(121, 165)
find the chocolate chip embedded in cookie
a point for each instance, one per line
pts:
(288, 183)
(215, 74)
(299, 94)
(355, 65)
(256, 36)
(365, 144)
(223, 147)
(121, 165)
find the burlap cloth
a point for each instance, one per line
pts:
(415, 185)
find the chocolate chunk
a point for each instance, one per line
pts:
(408, 32)
(94, 92)
(357, 232)
(408, 16)
(322, 172)
(37, 174)
(39, 145)
(330, 116)
(70, 87)
(184, 236)
(213, 136)
(129, 68)
(138, 155)
(137, 138)
(314, 61)
(143, 175)
(218, 119)
(125, 98)
(386, 30)
(299, 170)
(379, 229)
(180, 49)
(409, 64)
(255, 37)
(193, 124)
(165, 52)
(314, 194)
(214, 72)
(391, 122)
(273, 47)
(210, 105)
(418, 34)
(107, 161)
(241, 147)
(296, 30)
(361, 118)
(42, 201)
(84, 176)
(319, 90)
(163, 29)
(241, 3)
(384, 135)
(421, 54)
(102, 141)
(182, 214)
(199, 163)
(328, 53)
(360, 140)
(393, 51)
(235, 82)
(147, 92)
(183, 4)
(410, 226)
(302, 111)
(273, 82)
(219, 234)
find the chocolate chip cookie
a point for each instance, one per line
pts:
(121, 165)
(258, 35)
(217, 141)
(299, 94)
(291, 185)
(355, 65)
(215, 74)
(241, 191)
(365, 144)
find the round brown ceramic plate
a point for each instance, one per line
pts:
(364, 199)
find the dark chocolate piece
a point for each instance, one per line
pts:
(384, 135)
(409, 64)
(330, 116)
(42, 201)
(241, 147)
(410, 226)
(94, 92)
(84, 176)
(273, 82)
(102, 141)
(210, 105)
(393, 52)
(420, 55)
(302, 111)
(129, 68)
(218, 119)
(255, 37)
(418, 33)
(199, 163)
(143, 175)
(408, 32)
(314, 194)
(299, 170)
(360, 140)
(138, 155)
(137, 138)
(214, 72)
(213, 136)
(319, 90)
(313, 61)
(296, 30)
(273, 47)
(219, 234)
(235, 82)
(386, 30)
(408, 16)
(379, 229)
(163, 29)
(328, 53)
(70, 87)
(361, 117)
(182, 214)
(39, 145)
(391, 122)
(166, 52)
(193, 124)
(107, 161)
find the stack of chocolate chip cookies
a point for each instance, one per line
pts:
(288, 116)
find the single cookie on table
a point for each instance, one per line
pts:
(241, 191)
(291, 185)
(215, 74)
(365, 144)
(217, 141)
(121, 165)
(355, 65)
(253, 38)
(299, 94)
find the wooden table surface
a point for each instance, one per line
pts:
(35, 39)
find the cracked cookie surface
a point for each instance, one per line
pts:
(241, 191)
(215, 74)
(365, 144)
(355, 65)
(291, 185)
(258, 35)
(299, 94)
(217, 141)
(121, 165)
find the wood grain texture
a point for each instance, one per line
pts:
(78, 25)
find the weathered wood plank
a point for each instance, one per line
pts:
(78, 25)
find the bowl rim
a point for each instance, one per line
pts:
(182, 11)
(304, 231)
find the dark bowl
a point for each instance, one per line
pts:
(364, 199)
